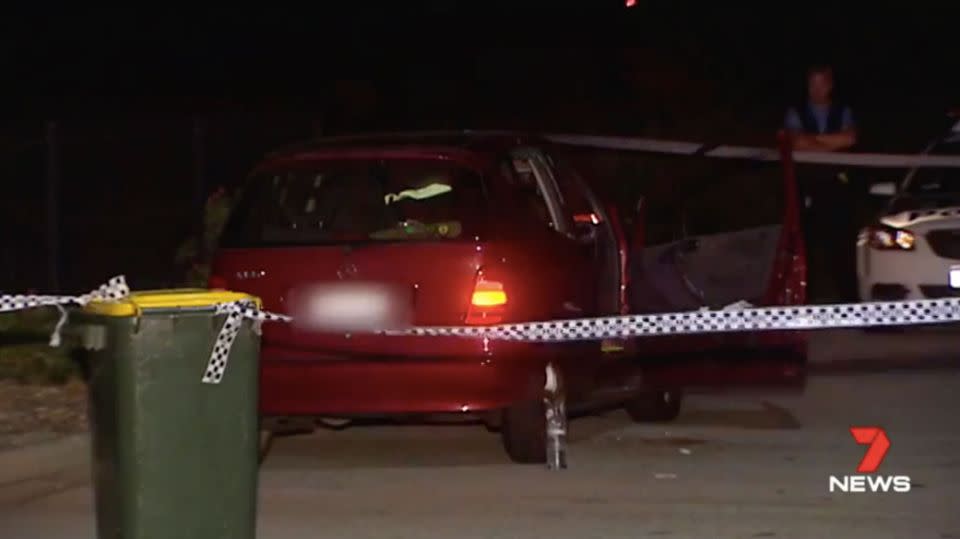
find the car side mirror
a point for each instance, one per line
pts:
(883, 189)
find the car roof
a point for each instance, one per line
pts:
(463, 145)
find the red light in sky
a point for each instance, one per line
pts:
(631, 3)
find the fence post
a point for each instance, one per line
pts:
(199, 182)
(53, 207)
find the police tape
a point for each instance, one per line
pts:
(116, 289)
(801, 317)
(236, 312)
(750, 153)
(728, 320)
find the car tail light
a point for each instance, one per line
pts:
(487, 301)
(215, 282)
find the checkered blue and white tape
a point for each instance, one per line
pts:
(236, 312)
(806, 317)
(116, 289)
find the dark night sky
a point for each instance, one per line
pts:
(748, 59)
(125, 84)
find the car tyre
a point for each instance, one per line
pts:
(655, 406)
(523, 431)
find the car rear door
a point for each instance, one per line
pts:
(576, 286)
(561, 267)
(595, 230)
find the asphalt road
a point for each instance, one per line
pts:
(752, 466)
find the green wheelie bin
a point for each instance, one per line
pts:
(172, 456)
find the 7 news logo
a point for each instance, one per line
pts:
(878, 444)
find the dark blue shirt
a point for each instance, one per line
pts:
(820, 113)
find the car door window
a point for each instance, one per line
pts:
(523, 185)
(533, 181)
(573, 195)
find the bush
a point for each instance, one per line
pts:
(194, 262)
(36, 364)
(25, 354)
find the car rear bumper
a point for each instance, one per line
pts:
(386, 386)
(375, 386)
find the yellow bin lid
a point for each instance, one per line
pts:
(146, 300)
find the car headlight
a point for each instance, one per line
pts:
(888, 238)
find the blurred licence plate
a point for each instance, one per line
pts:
(955, 277)
(351, 307)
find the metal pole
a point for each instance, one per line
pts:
(52, 208)
(555, 407)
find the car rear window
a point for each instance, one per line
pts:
(357, 201)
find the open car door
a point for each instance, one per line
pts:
(719, 234)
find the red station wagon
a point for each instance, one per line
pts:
(468, 229)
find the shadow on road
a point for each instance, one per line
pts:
(770, 416)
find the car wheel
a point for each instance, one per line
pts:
(523, 430)
(655, 406)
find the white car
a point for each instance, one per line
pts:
(913, 250)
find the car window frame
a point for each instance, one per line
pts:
(548, 188)
(577, 184)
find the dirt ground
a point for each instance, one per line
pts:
(731, 466)
(32, 414)
(36, 413)
(738, 465)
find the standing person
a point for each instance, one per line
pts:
(822, 124)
